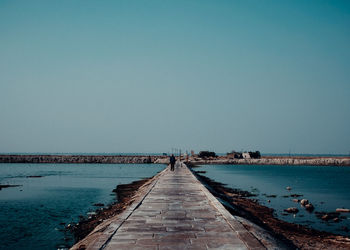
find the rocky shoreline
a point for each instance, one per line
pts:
(271, 160)
(124, 198)
(293, 235)
(57, 159)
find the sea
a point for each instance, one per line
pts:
(326, 187)
(34, 214)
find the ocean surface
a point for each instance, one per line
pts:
(327, 188)
(33, 215)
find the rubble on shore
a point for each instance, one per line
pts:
(295, 235)
(124, 197)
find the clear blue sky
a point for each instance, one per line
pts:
(146, 76)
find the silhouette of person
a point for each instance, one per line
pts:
(172, 162)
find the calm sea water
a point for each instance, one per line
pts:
(32, 215)
(327, 188)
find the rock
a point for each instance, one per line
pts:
(295, 195)
(288, 188)
(271, 196)
(99, 204)
(303, 202)
(82, 247)
(309, 207)
(291, 210)
(7, 186)
(342, 210)
(325, 217)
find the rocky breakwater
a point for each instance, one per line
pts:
(105, 159)
(312, 161)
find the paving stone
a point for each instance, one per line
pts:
(250, 240)
(175, 235)
(178, 213)
(148, 242)
(173, 246)
(215, 228)
(183, 229)
(133, 236)
(129, 247)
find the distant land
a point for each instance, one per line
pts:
(319, 160)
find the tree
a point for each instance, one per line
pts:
(204, 154)
(255, 155)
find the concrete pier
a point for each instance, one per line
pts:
(176, 212)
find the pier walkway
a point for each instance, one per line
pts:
(176, 212)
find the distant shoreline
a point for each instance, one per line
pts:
(163, 159)
(274, 160)
(79, 159)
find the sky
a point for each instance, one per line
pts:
(149, 76)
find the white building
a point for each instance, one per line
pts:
(246, 155)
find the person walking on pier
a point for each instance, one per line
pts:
(172, 162)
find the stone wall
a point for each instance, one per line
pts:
(112, 159)
(318, 161)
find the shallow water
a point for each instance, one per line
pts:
(33, 215)
(327, 188)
